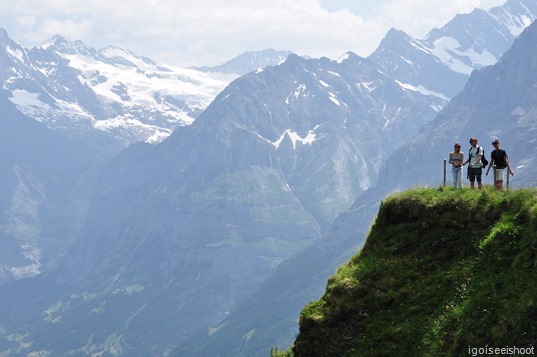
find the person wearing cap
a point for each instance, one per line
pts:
(499, 158)
(474, 159)
(456, 158)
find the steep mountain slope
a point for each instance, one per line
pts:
(74, 88)
(433, 279)
(177, 233)
(268, 318)
(45, 188)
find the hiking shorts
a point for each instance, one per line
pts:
(475, 173)
(499, 174)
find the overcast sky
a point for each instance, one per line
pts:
(210, 32)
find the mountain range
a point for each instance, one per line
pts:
(498, 101)
(74, 88)
(475, 111)
(183, 230)
(189, 234)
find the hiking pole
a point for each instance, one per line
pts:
(495, 182)
(444, 172)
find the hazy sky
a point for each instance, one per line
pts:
(210, 32)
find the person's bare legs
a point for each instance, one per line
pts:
(499, 185)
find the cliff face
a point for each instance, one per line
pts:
(441, 271)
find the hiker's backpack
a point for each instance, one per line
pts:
(484, 160)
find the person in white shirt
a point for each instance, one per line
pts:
(456, 158)
(476, 167)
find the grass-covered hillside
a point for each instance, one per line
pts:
(442, 271)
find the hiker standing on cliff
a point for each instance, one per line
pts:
(474, 159)
(499, 158)
(456, 158)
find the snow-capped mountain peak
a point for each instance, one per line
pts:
(70, 86)
(439, 65)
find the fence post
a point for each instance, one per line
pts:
(444, 172)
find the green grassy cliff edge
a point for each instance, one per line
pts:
(443, 272)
